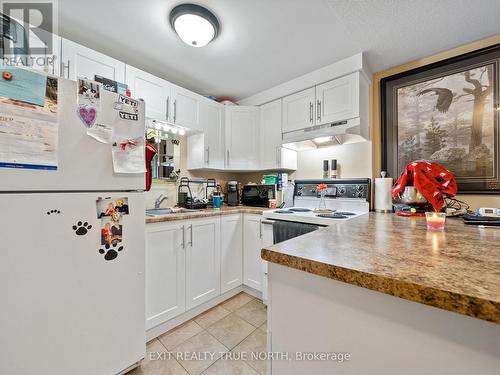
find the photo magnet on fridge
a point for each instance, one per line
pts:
(89, 93)
(112, 229)
(108, 206)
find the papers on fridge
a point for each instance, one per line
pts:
(128, 155)
(28, 143)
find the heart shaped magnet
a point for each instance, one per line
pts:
(88, 115)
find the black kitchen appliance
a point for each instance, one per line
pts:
(258, 195)
(233, 196)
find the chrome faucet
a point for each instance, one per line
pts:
(159, 200)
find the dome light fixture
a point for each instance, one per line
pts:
(195, 25)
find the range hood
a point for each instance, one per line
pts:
(353, 130)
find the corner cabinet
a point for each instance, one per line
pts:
(206, 149)
(202, 261)
(242, 136)
(165, 272)
(272, 154)
(79, 61)
(231, 259)
(252, 245)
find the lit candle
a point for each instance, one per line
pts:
(435, 220)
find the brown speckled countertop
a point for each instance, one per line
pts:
(456, 270)
(207, 212)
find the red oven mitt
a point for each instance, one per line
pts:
(430, 179)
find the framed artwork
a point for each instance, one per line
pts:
(447, 112)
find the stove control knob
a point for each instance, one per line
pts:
(359, 195)
(299, 193)
(341, 190)
(360, 188)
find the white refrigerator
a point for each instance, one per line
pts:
(67, 304)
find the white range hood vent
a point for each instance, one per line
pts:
(340, 132)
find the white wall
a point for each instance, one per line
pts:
(353, 160)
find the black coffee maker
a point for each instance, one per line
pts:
(233, 196)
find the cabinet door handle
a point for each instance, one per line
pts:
(319, 110)
(65, 67)
(167, 112)
(183, 236)
(260, 228)
(208, 155)
(311, 118)
(175, 111)
(191, 236)
(227, 159)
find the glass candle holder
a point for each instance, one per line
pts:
(435, 220)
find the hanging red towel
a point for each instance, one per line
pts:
(430, 179)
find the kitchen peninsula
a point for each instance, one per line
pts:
(334, 290)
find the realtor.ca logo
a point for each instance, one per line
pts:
(27, 32)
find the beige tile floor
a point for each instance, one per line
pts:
(228, 332)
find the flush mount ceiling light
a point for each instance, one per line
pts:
(195, 25)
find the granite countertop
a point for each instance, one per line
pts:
(456, 270)
(206, 212)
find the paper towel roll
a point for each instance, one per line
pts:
(383, 194)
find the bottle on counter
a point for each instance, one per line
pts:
(334, 173)
(325, 168)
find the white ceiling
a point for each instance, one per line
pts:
(266, 42)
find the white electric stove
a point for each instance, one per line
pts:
(345, 199)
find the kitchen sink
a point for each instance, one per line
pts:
(167, 211)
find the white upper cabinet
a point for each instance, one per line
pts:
(50, 61)
(79, 61)
(272, 154)
(270, 134)
(299, 110)
(186, 108)
(242, 136)
(338, 99)
(332, 101)
(206, 150)
(155, 92)
(202, 261)
(231, 252)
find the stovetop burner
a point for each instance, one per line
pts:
(299, 209)
(283, 212)
(333, 216)
(346, 213)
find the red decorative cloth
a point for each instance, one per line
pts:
(430, 179)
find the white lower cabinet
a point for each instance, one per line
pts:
(165, 272)
(202, 260)
(231, 260)
(190, 262)
(252, 245)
